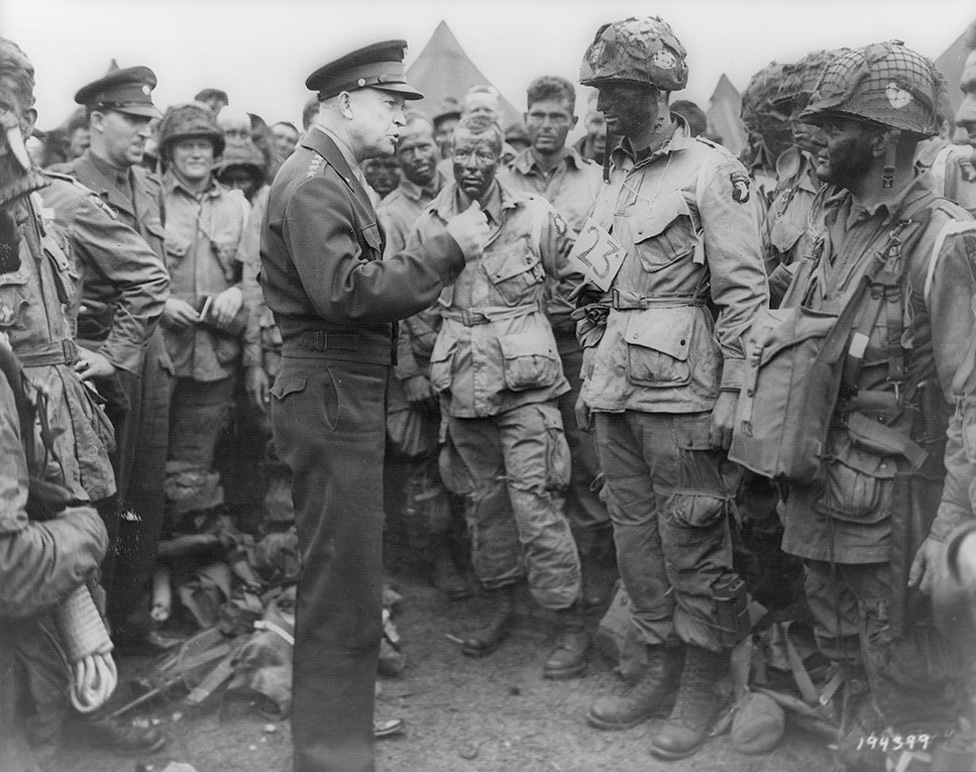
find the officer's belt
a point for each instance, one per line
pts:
(58, 352)
(471, 317)
(323, 340)
(625, 300)
(329, 344)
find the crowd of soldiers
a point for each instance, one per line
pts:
(745, 384)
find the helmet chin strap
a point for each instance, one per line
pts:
(18, 177)
(15, 138)
(891, 152)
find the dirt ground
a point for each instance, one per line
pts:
(490, 715)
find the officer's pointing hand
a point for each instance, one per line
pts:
(470, 230)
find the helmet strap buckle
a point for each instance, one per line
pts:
(891, 152)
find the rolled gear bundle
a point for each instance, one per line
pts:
(644, 51)
(89, 650)
(884, 83)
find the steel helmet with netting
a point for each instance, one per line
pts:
(643, 51)
(757, 99)
(801, 77)
(883, 83)
(187, 121)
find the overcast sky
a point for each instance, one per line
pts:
(260, 51)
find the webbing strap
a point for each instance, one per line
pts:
(949, 229)
(884, 439)
(25, 408)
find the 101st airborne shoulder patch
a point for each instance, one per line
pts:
(966, 169)
(558, 223)
(740, 186)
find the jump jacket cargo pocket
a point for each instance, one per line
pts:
(785, 233)
(857, 485)
(664, 233)
(14, 298)
(513, 271)
(531, 359)
(442, 362)
(658, 341)
(558, 463)
(695, 510)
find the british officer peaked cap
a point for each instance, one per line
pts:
(128, 90)
(379, 65)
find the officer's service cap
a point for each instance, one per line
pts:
(379, 65)
(128, 90)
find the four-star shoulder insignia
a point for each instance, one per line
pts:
(313, 167)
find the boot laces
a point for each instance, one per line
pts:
(696, 698)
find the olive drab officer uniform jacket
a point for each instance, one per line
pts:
(689, 223)
(496, 350)
(124, 284)
(135, 193)
(322, 273)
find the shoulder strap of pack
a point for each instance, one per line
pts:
(26, 409)
(540, 213)
(912, 221)
(951, 228)
(700, 186)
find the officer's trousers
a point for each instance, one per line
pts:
(328, 419)
(670, 496)
(142, 439)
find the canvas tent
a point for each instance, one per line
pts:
(443, 69)
(951, 64)
(723, 113)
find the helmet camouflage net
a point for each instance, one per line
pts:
(186, 121)
(643, 51)
(884, 83)
(243, 155)
(757, 99)
(800, 78)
